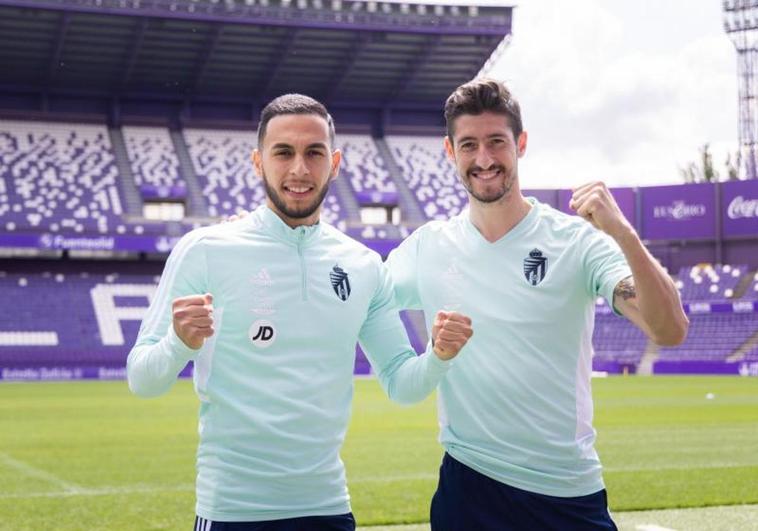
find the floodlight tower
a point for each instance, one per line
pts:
(741, 24)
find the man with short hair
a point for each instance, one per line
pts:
(516, 411)
(269, 308)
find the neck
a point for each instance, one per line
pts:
(295, 222)
(495, 220)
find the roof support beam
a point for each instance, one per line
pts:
(277, 62)
(411, 73)
(205, 57)
(57, 51)
(357, 46)
(131, 58)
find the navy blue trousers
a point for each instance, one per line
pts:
(466, 500)
(339, 522)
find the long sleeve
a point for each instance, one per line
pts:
(405, 377)
(159, 355)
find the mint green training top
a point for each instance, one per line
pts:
(275, 381)
(517, 405)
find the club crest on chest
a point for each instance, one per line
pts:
(535, 267)
(340, 282)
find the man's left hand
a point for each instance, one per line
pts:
(594, 202)
(450, 332)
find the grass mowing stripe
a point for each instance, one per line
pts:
(663, 445)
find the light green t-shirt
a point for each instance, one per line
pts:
(275, 381)
(516, 404)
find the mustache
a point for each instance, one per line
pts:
(493, 167)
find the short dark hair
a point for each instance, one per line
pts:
(293, 104)
(479, 96)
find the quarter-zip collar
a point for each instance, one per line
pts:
(276, 227)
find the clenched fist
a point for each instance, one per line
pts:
(450, 331)
(193, 319)
(594, 202)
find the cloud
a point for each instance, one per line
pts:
(607, 92)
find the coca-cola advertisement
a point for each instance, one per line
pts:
(739, 208)
(679, 212)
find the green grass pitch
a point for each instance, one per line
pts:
(88, 455)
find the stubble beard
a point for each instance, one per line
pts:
(293, 213)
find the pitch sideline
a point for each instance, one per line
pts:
(717, 518)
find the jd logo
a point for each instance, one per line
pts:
(262, 333)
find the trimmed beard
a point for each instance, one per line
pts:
(292, 213)
(493, 197)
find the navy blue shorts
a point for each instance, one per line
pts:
(339, 522)
(466, 500)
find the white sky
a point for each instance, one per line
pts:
(621, 90)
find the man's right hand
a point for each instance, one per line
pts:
(193, 319)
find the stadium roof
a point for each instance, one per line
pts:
(344, 52)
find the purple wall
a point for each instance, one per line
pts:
(677, 255)
(705, 367)
(624, 196)
(679, 212)
(549, 197)
(741, 252)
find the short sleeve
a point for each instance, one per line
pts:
(605, 264)
(402, 263)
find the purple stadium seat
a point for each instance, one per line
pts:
(58, 178)
(364, 168)
(154, 162)
(429, 175)
(709, 283)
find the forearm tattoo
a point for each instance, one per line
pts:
(625, 289)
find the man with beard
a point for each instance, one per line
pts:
(516, 411)
(269, 308)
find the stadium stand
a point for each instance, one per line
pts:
(713, 337)
(364, 168)
(221, 160)
(708, 282)
(615, 339)
(429, 175)
(71, 320)
(752, 290)
(57, 177)
(153, 162)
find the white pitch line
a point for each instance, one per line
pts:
(102, 491)
(389, 479)
(683, 466)
(38, 473)
(652, 527)
(70, 490)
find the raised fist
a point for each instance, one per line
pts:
(193, 319)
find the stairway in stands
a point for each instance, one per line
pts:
(195, 201)
(129, 192)
(409, 207)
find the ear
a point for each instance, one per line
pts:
(255, 156)
(336, 159)
(449, 149)
(521, 143)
